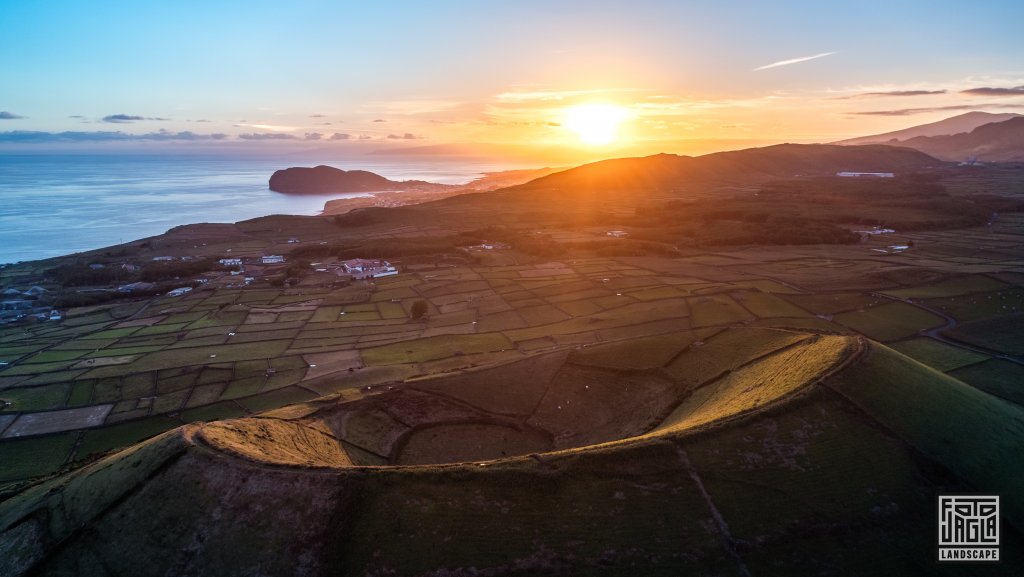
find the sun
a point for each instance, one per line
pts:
(595, 124)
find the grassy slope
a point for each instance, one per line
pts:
(760, 383)
(977, 436)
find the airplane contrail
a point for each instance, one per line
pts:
(793, 61)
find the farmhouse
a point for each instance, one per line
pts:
(361, 268)
(179, 291)
(230, 261)
(272, 259)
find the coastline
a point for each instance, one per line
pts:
(60, 204)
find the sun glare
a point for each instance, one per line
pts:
(595, 124)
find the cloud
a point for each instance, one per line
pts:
(340, 136)
(313, 136)
(406, 136)
(268, 136)
(380, 120)
(990, 91)
(184, 135)
(365, 137)
(793, 61)
(127, 118)
(4, 115)
(31, 136)
(544, 95)
(912, 111)
(894, 93)
(316, 116)
(274, 127)
(76, 116)
(203, 120)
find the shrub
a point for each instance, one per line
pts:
(419, 308)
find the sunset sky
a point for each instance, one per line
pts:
(685, 77)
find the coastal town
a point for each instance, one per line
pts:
(38, 303)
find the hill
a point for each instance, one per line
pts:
(953, 125)
(831, 439)
(995, 142)
(750, 166)
(327, 179)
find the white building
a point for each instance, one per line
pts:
(866, 174)
(272, 259)
(179, 291)
(230, 261)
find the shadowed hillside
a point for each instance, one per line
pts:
(995, 142)
(954, 125)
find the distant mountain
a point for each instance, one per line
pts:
(995, 142)
(327, 179)
(954, 125)
(740, 167)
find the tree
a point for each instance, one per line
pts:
(419, 308)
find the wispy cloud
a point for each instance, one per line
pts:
(261, 126)
(4, 115)
(991, 91)
(893, 93)
(793, 61)
(521, 96)
(267, 136)
(341, 136)
(127, 118)
(29, 136)
(912, 111)
(406, 136)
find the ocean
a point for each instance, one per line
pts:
(57, 204)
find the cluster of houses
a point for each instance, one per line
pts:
(17, 304)
(361, 268)
(264, 260)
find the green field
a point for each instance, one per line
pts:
(938, 355)
(996, 376)
(1000, 334)
(889, 322)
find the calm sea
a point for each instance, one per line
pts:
(56, 204)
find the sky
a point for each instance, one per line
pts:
(683, 76)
